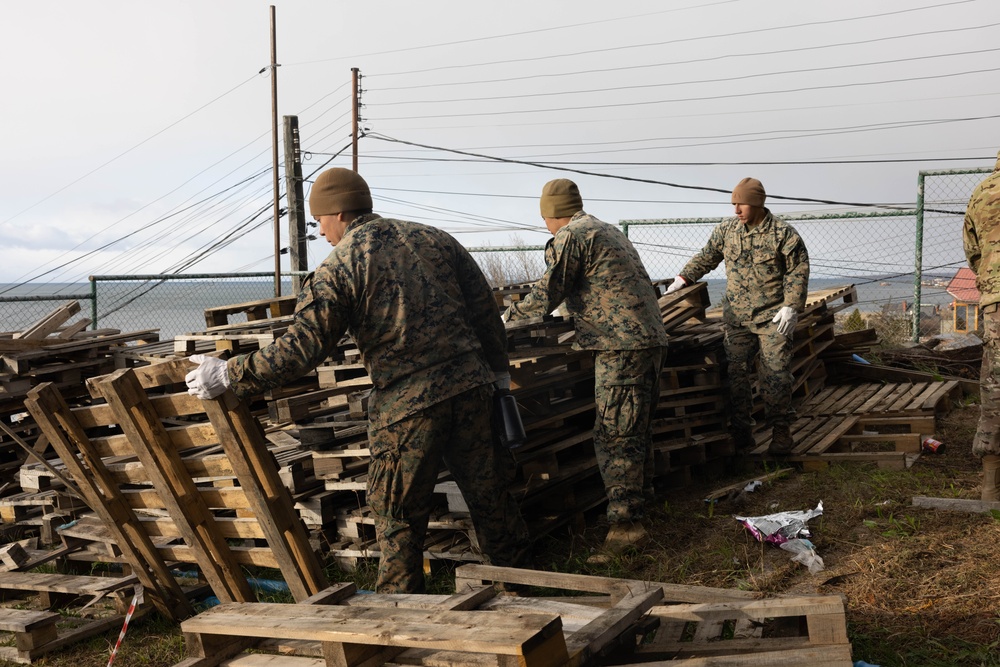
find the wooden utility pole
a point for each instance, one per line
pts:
(293, 194)
(274, 156)
(355, 111)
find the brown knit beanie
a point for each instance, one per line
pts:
(338, 190)
(749, 191)
(561, 199)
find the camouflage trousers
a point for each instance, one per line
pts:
(406, 457)
(987, 440)
(742, 344)
(626, 389)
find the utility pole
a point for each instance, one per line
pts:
(274, 155)
(355, 111)
(295, 209)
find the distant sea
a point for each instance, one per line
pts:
(177, 307)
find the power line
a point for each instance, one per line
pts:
(741, 34)
(475, 40)
(698, 99)
(671, 84)
(542, 165)
(692, 61)
(126, 152)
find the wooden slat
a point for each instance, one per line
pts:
(104, 496)
(138, 419)
(243, 440)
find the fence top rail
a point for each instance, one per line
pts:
(509, 248)
(957, 172)
(45, 297)
(895, 213)
(191, 276)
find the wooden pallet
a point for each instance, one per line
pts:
(262, 309)
(475, 626)
(809, 630)
(150, 429)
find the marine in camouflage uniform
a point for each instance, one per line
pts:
(425, 320)
(595, 270)
(981, 236)
(767, 268)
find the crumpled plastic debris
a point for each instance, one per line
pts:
(781, 526)
(805, 553)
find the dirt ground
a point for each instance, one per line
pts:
(921, 586)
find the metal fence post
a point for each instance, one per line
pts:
(918, 258)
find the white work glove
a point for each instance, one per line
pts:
(786, 318)
(209, 379)
(501, 380)
(676, 285)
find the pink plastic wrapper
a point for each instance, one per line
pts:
(780, 527)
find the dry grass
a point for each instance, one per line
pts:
(922, 586)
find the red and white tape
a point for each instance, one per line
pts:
(136, 601)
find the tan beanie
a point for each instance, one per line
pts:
(338, 190)
(749, 191)
(561, 199)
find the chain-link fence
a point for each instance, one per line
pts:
(510, 265)
(941, 200)
(895, 258)
(174, 304)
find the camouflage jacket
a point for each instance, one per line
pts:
(767, 267)
(418, 308)
(981, 235)
(594, 267)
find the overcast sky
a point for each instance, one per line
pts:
(137, 136)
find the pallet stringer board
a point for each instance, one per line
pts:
(183, 500)
(243, 441)
(57, 421)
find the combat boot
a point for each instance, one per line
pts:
(991, 477)
(621, 536)
(743, 439)
(781, 441)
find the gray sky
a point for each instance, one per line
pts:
(137, 135)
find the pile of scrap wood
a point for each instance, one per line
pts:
(52, 350)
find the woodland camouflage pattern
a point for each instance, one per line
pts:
(427, 325)
(625, 397)
(594, 268)
(981, 235)
(405, 460)
(418, 308)
(767, 267)
(775, 379)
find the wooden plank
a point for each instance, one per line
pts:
(104, 496)
(139, 421)
(475, 574)
(478, 631)
(243, 441)
(50, 323)
(63, 583)
(827, 656)
(957, 504)
(597, 635)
